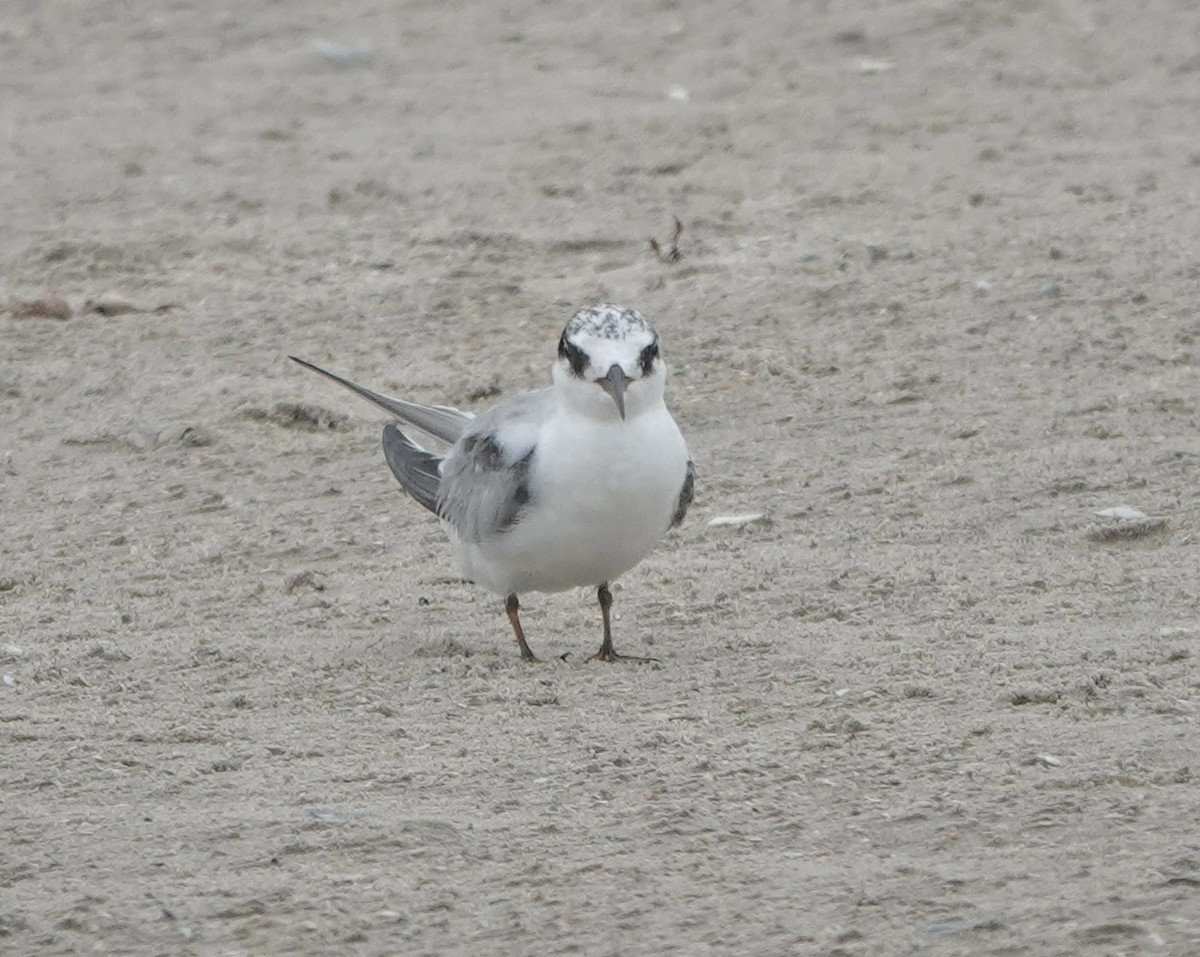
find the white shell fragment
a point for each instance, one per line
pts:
(868, 67)
(1122, 512)
(737, 520)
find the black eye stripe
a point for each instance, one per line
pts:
(573, 354)
(646, 360)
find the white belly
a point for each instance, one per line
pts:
(602, 494)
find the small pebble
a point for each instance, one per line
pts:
(342, 53)
(110, 304)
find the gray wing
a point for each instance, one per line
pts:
(441, 421)
(686, 494)
(485, 477)
(417, 471)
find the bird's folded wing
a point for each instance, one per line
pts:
(485, 477)
(483, 490)
(417, 471)
(441, 421)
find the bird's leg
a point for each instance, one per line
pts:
(512, 608)
(606, 652)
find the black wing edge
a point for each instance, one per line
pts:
(686, 494)
(415, 469)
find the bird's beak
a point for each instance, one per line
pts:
(615, 384)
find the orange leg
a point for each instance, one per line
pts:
(512, 608)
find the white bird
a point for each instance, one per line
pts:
(555, 488)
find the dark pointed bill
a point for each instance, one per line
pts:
(615, 384)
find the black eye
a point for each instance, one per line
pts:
(573, 354)
(649, 354)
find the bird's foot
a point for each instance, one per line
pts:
(611, 656)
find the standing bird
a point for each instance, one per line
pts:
(554, 488)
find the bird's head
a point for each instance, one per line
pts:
(609, 363)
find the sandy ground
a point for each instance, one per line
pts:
(936, 309)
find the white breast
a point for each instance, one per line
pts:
(602, 494)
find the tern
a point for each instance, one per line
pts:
(555, 488)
